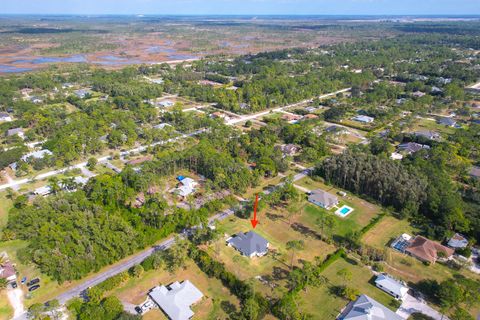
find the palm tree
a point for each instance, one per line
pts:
(293, 246)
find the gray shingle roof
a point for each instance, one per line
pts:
(249, 243)
(365, 308)
(323, 197)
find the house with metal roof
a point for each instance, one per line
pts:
(16, 131)
(449, 122)
(366, 308)
(176, 299)
(250, 244)
(458, 241)
(391, 286)
(323, 199)
(5, 117)
(363, 118)
(37, 154)
(186, 187)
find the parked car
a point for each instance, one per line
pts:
(33, 288)
(32, 282)
(24, 279)
(14, 284)
(138, 309)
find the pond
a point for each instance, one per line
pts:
(40, 60)
(13, 69)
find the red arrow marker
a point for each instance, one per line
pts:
(254, 221)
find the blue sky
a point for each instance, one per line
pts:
(327, 7)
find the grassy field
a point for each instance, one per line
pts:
(274, 227)
(425, 124)
(386, 230)
(48, 288)
(360, 217)
(6, 311)
(211, 307)
(314, 301)
(5, 205)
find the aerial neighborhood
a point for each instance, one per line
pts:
(239, 167)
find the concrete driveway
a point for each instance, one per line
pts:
(413, 305)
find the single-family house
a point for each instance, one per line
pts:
(82, 93)
(250, 244)
(219, 115)
(418, 94)
(411, 147)
(396, 156)
(290, 117)
(7, 270)
(323, 199)
(393, 287)
(37, 154)
(165, 104)
(436, 90)
(310, 116)
(186, 186)
(161, 126)
(458, 241)
(26, 92)
(366, 308)
(36, 99)
(449, 122)
(5, 117)
(289, 149)
(67, 85)
(77, 181)
(176, 299)
(337, 130)
(427, 250)
(43, 191)
(428, 134)
(475, 172)
(16, 131)
(363, 119)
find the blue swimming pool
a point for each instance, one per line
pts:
(344, 211)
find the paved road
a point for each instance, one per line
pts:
(136, 259)
(17, 183)
(281, 109)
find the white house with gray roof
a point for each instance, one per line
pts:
(176, 299)
(366, 308)
(249, 244)
(323, 199)
(391, 286)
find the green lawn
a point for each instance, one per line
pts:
(135, 291)
(386, 230)
(424, 124)
(5, 205)
(48, 287)
(323, 304)
(6, 311)
(363, 212)
(274, 227)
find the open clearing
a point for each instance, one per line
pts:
(322, 303)
(216, 296)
